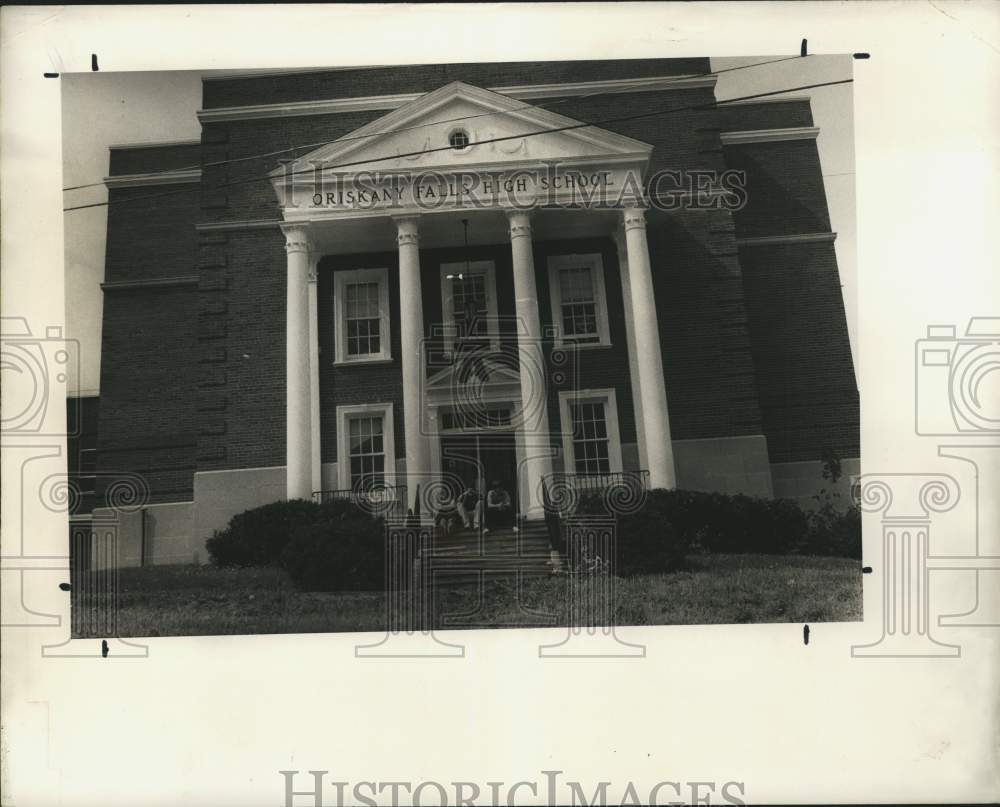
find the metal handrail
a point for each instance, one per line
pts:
(376, 500)
(565, 491)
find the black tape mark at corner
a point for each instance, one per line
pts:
(65, 587)
(50, 75)
(804, 49)
(805, 634)
(104, 648)
(862, 55)
(93, 63)
(866, 570)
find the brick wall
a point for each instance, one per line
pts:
(801, 351)
(148, 352)
(147, 414)
(798, 328)
(241, 349)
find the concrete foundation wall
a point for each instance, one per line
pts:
(219, 495)
(724, 464)
(802, 481)
(169, 536)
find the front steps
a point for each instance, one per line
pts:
(467, 555)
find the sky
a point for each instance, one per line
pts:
(103, 109)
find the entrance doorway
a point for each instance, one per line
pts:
(480, 458)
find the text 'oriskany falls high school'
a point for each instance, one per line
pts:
(370, 280)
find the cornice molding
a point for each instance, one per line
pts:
(162, 282)
(223, 226)
(334, 106)
(160, 145)
(785, 99)
(799, 238)
(769, 135)
(184, 177)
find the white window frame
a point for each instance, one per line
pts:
(344, 443)
(341, 280)
(447, 307)
(608, 398)
(595, 263)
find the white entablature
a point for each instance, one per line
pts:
(413, 160)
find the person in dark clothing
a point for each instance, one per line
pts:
(470, 506)
(499, 510)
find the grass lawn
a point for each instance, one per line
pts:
(721, 589)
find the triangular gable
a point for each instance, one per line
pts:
(415, 137)
(498, 375)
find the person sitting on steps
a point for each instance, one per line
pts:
(499, 512)
(448, 517)
(470, 506)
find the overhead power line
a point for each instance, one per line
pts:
(308, 146)
(553, 130)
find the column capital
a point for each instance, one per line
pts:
(296, 238)
(407, 229)
(520, 223)
(633, 218)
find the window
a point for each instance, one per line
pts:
(361, 299)
(591, 442)
(579, 309)
(590, 438)
(458, 139)
(365, 446)
(366, 451)
(469, 302)
(476, 420)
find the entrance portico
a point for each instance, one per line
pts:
(511, 187)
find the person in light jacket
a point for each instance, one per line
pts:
(499, 511)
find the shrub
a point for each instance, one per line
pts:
(344, 552)
(648, 540)
(834, 532)
(257, 537)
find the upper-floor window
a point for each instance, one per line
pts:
(579, 306)
(469, 304)
(361, 300)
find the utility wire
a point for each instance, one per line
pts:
(666, 85)
(567, 128)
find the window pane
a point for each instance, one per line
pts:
(367, 449)
(590, 438)
(362, 319)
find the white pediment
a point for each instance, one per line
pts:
(502, 132)
(480, 376)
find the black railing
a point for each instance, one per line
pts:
(619, 491)
(378, 500)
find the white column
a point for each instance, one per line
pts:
(298, 447)
(534, 407)
(411, 317)
(653, 391)
(633, 359)
(314, 426)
